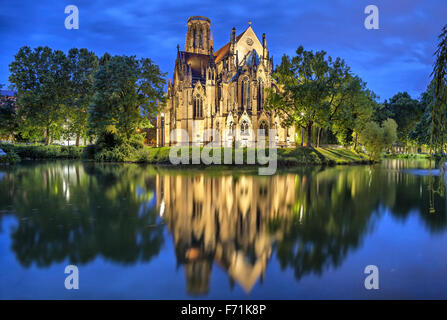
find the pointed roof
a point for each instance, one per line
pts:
(197, 62)
(222, 52)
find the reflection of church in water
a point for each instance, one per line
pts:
(225, 221)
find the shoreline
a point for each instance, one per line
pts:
(286, 157)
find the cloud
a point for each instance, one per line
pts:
(397, 57)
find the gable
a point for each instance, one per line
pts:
(246, 43)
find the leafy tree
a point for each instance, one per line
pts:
(356, 110)
(41, 77)
(313, 90)
(376, 138)
(406, 112)
(421, 132)
(439, 111)
(83, 66)
(127, 92)
(8, 116)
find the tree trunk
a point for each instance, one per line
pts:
(77, 141)
(47, 136)
(319, 137)
(309, 136)
(355, 142)
(302, 136)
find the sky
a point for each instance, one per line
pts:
(397, 57)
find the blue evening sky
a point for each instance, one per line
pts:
(397, 57)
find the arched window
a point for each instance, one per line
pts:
(201, 108)
(194, 38)
(231, 128)
(197, 111)
(219, 98)
(247, 103)
(201, 39)
(194, 108)
(260, 94)
(244, 128)
(263, 128)
(241, 106)
(245, 94)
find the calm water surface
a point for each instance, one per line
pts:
(142, 232)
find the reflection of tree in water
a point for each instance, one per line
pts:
(334, 210)
(420, 192)
(309, 219)
(64, 213)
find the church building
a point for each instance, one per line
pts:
(222, 90)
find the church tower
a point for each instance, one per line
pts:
(199, 38)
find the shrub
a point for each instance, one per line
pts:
(90, 151)
(44, 152)
(136, 141)
(376, 138)
(11, 158)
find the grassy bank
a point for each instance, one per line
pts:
(285, 156)
(152, 155)
(39, 152)
(408, 156)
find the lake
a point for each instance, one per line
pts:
(145, 232)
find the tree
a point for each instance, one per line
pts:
(439, 111)
(406, 112)
(41, 78)
(376, 138)
(312, 90)
(83, 66)
(421, 132)
(126, 92)
(8, 116)
(357, 109)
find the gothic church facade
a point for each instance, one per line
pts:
(222, 90)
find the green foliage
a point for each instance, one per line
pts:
(285, 156)
(41, 78)
(10, 158)
(408, 156)
(44, 152)
(54, 91)
(116, 154)
(83, 66)
(8, 116)
(315, 90)
(126, 92)
(78, 96)
(422, 130)
(405, 111)
(126, 152)
(114, 147)
(376, 138)
(439, 111)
